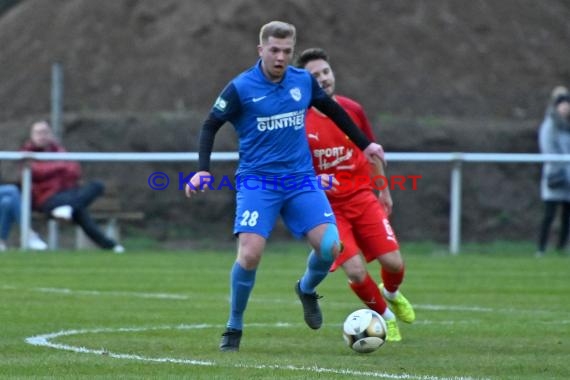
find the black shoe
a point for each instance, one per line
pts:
(311, 309)
(230, 340)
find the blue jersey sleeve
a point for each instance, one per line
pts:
(226, 108)
(228, 104)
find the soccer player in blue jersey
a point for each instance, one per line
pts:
(267, 105)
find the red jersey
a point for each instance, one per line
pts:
(334, 153)
(51, 177)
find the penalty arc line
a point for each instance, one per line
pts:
(45, 340)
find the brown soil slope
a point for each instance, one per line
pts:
(434, 76)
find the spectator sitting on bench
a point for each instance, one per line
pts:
(56, 191)
(10, 211)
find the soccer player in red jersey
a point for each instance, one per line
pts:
(362, 216)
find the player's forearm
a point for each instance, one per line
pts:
(379, 173)
(381, 184)
(206, 141)
(337, 114)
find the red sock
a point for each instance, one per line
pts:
(369, 293)
(392, 280)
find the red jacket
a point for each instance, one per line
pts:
(51, 177)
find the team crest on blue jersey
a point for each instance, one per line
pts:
(221, 104)
(295, 93)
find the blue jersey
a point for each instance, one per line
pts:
(269, 119)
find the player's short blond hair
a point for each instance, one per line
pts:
(277, 29)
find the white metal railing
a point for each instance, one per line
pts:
(455, 158)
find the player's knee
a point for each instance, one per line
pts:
(357, 274)
(248, 260)
(96, 186)
(337, 248)
(10, 191)
(392, 262)
(5, 202)
(250, 249)
(330, 243)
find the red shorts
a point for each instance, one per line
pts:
(363, 226)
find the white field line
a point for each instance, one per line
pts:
(563, 322)
(174, 296)
(455, 308)
(45, 340)
(112, 293)
(253, 299)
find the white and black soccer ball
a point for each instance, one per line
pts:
(364, 331)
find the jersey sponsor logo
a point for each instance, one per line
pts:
(332, 157)
(295, 119)
(221, 104)
(255, 100)
(295, 93)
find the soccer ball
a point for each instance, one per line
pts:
(364, 331)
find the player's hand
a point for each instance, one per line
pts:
(385, 199)
(198, 182)
(327, 182)
(375, 150)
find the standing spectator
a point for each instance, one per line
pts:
(10, 211)
(56, 190)
(362, 217)
(266, 105)
(554, 138)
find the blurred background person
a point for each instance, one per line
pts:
(554, 138)
(56, 190)
(10, 211)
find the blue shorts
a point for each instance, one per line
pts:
(301, 204)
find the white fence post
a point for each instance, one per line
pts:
(57, 99)
(26, 206)
(455, 208)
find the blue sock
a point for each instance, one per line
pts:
(242, 281)
(317, 270)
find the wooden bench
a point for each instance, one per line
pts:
(105, 210)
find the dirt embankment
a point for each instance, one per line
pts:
(451, 76)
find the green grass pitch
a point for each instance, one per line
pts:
(492, 312)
